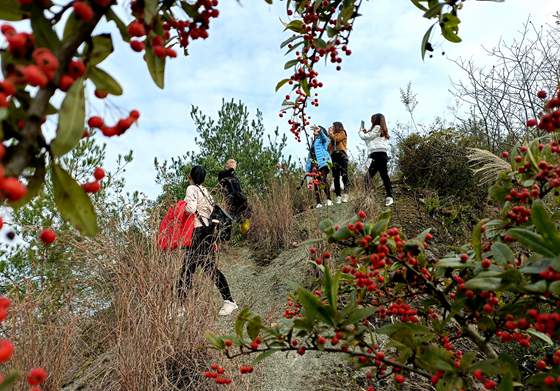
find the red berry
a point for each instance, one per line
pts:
(65, 82)
(48, 236)
(549, 380)
(95, 122)
(83, 11)
(99, 173)
(489, 384)
(6, 350)
(135, 114)
(159, 51)
(137, 46)
(541, 365)
(532, 122)
(541, 94)
(505, 154)
(228, 342)
(36, 376)
(101, 94)
(486, 263)
(34, 76)
(12, 188)
(76, 69)
(362, 214)
(136, 29)
(91, 187)
(399, 378)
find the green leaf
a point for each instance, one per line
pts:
(319, 43)
(34, 185)
(305, 87)
(111, 16)
(359, 314)
(331, 289)
(103, 81)
(262, 356)
(102, 48)
(289, 40)
(537, 287)
(541, 336)
(290, 64)
(507, 383)
(10, 10)
(419, 5)
(554, 288)
(296, 25)
(454, 263)
(435, 358)
(242, 318)
(484, 284)
(281, 84)
(502, 254)
(150, 10)
(254, 327)
(327, 226)
(545, 226)
(476, 240)
(71, 120)
(71, 26)
(531, 240)
(189, 9)
(217, 343)
(313, 307)
(449, 27)
(43, 32)
(156, 66)
(72, 201)
(11, 378)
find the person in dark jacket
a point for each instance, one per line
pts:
(236, 201)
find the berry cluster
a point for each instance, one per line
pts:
(318, 19)
(182, 31)
(118, 129)
(94, 186)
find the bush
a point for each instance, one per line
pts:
(438, 161)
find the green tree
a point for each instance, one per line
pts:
(233, 135)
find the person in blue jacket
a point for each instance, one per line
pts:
(318, 163)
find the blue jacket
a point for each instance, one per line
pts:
(321, 147)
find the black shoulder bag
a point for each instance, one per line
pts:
(221, 222)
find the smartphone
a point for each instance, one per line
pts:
(362, 125)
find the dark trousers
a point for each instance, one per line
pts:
(379, 164)
(340, 169)
(323, 184)
(200, 254)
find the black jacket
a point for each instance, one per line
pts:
(231, 188)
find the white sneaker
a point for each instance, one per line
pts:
(345, 198)
(227, 308)
(318, 206)
(389, 201)
(329, 203)
(338, 200)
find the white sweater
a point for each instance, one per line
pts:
(375, 142)
(200, 201)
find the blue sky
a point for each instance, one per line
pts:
(242, 60)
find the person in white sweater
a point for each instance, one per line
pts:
(377, 144)
(200, 202)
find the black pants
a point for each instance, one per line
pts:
(323, 184)
(340, 169)
(200, 254)
(379, 164)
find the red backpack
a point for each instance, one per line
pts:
(176, 228)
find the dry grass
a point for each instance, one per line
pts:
(272, 222)
(129, 335)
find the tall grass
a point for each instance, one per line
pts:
(130, 334)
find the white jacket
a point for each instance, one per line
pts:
(375, 142)
(200, 201)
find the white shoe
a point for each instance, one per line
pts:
(338, 200)
(389, 201)
(227, 308)
(329, 203)
(318, 206)
(345, 198)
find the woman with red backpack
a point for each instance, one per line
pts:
(200, 203)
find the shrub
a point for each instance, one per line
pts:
(458, 321)
(438, 161)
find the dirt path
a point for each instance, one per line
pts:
(264, 289)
